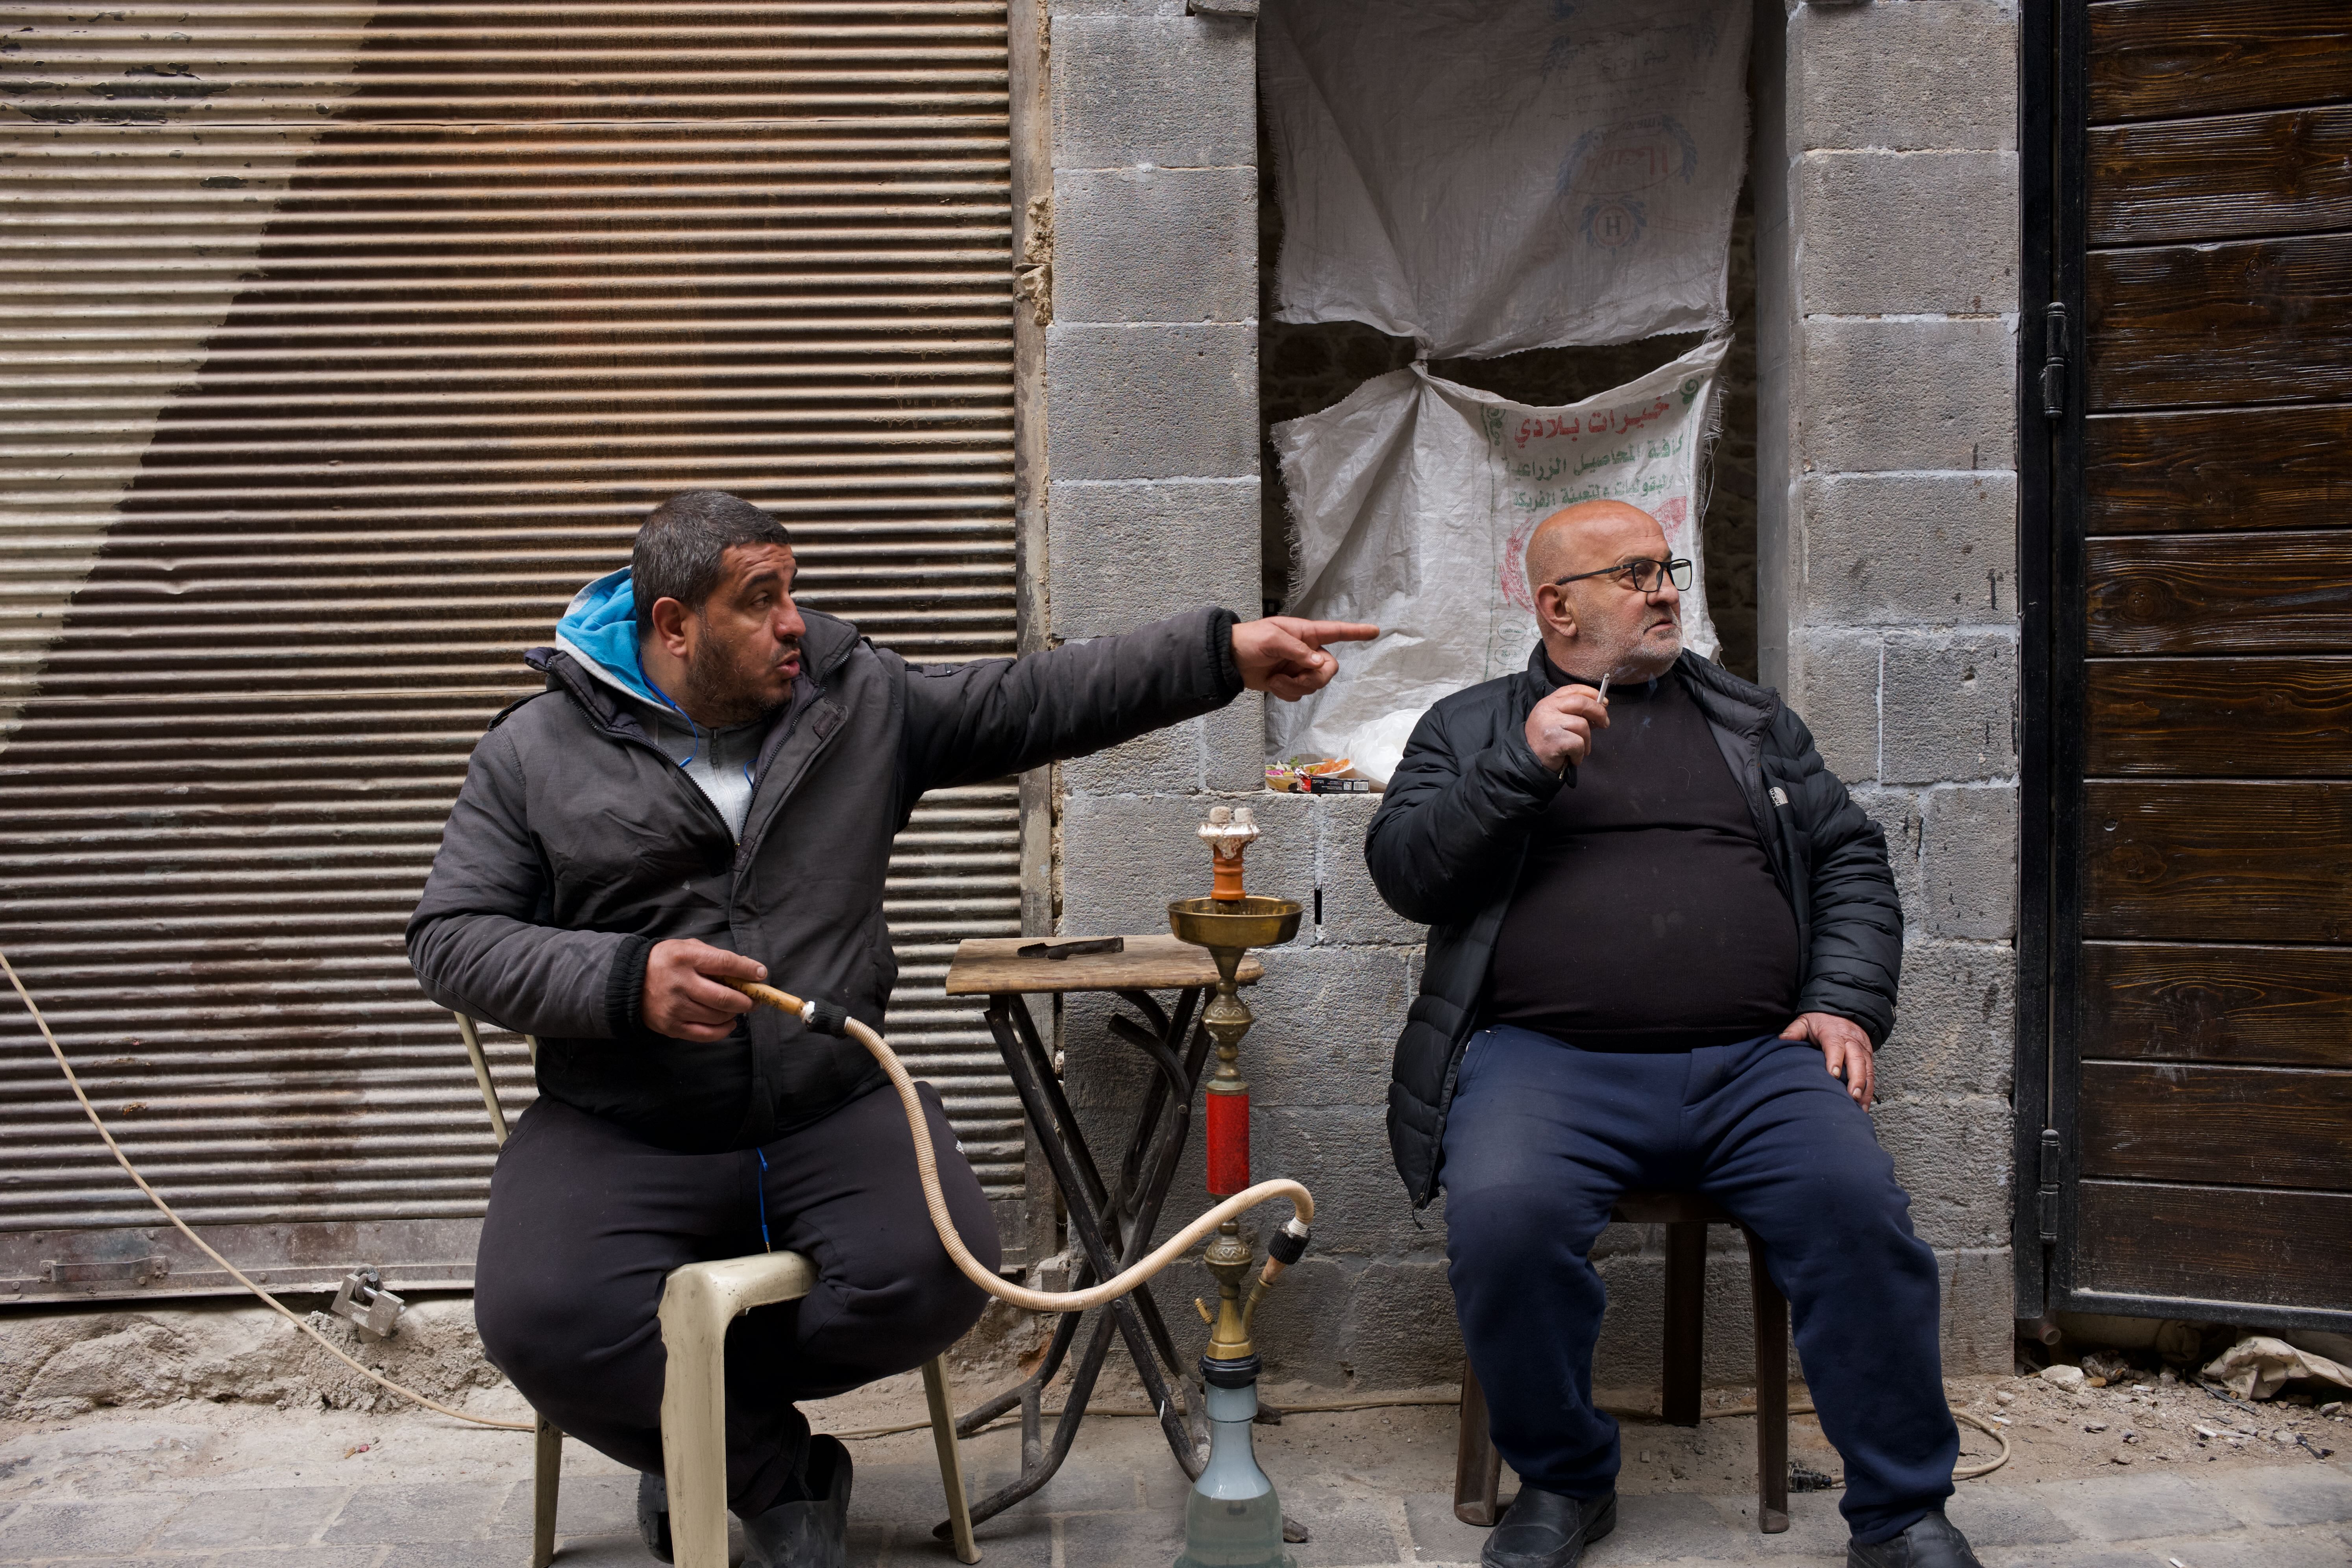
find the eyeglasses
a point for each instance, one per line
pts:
(1642, 576)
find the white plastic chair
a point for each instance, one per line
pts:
(698, 1303)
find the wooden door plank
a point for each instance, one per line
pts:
(2217, 862)
(2287, 171)
(2272, 1006)
(2169, 473)
(2153, 58)
(2244, 592)
(2213, 1244)
(2266, 321)
(2240, 718)
(2184, 1121)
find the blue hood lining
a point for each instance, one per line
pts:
(600, 629)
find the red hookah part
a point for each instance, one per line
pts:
(1228, 1143)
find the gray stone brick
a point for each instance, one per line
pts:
(576, 1554)
(1833, 676)
(1437, 1535)
(1902, 232)
(1948, 707)
(1897, 813)
(2292, 1495)
(1993, 1519)
(1124, 856)
(1122, 554)
(1174, 91)
(1340, 1151)
(1968, 863)
(1153, 402)
(262, 1516)
(1665, 1526)
(2136, 1508)
(1907, 394)
(83, 1529)
(1952, 1156)
(1165, 761)
(1326, 1025)
(1400, 1331)
(1340, 1528)
(1232, 739)
(1937, 549)
(412, 1515)
(1955, 1023)
(1939, 75)
(1062, 9)
(1155, 245)
(1979, 1316)
(1353, 910)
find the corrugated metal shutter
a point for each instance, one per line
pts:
(343, 343)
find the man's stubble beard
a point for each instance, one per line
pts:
(717, 685)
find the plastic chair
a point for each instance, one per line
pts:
(1478, 1469)
(698, 1303)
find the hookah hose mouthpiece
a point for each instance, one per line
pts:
(829, 1018)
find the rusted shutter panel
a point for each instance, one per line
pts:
(342, 344)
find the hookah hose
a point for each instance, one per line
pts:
(828, 1018)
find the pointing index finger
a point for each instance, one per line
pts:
(1319, 632)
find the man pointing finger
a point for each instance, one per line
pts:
(708, 791)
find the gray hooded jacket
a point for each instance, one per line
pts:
(576, 844)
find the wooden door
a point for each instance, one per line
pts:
(2196, 392)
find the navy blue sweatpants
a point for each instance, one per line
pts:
(1541, 1139)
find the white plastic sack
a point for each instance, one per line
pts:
(1484, 178)
(1412, 502)
(2258, 1366)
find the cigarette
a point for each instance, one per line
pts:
(1604, 688)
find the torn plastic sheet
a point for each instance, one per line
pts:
(1413, 500)
(1483, 178)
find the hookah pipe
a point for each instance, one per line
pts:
(1228, 1134)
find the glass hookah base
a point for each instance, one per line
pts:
(1224, 1532)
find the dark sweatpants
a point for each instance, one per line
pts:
(1541, 1139)
(585, 1222)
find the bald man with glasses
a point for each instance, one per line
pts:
(1665, 943)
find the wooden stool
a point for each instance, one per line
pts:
(1478, 1469)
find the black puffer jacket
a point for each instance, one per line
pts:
(1451, 835)
(575, 845)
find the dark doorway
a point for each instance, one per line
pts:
(2185, 1091)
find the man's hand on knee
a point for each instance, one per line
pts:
(1846, 1050)
(683, 1001)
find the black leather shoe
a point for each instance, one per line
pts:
(1545, 1529)
(811, 1534)
(1932, 1542)
(653, 1515)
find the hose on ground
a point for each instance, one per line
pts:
(832, 1020)
(202, 1246)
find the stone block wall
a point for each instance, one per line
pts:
(1898, 558)
(1886, 239)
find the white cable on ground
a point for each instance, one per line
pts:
(1302, 1201)
(235, 1273)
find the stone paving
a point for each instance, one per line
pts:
(225, 1488)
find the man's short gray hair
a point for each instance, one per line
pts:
(682, 549)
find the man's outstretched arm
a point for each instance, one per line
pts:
(984, 721)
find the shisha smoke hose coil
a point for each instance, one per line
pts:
(829, 1018)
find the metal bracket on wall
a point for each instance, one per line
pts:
(1243, 10)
